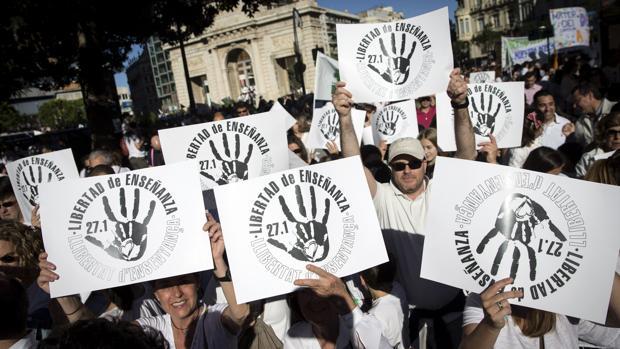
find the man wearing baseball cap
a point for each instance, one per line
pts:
(401, 204)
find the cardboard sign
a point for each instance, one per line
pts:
(543, 230)
(482, 77)
(496, 109)
(398, 60)
(27, 174)
(395, 121)
(108, 231)
(277, 224)
(230, 150)
(570, 27)
(325, 126)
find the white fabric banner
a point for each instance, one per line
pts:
(231, 150)
(115, 230)
(27, 174)
(482, 77)
(496, 108)
(395, 121)
(545, 231)
(395, 61)
(570, 27)
(325, 126)
(277, 224)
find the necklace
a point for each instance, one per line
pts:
(184, 329)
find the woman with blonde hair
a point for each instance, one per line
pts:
(428, 138)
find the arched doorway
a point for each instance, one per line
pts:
(240, 73)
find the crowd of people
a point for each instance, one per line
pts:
(570, 129)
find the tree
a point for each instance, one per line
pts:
(59, 114)
(48, 44)
(9, 118)
(487, 40)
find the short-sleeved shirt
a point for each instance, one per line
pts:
(552, 136)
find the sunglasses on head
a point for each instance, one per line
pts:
(413, 164)
(7, 204)
(8, 259)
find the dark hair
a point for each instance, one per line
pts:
(14, 305)
(371, 155)
(606, 171)
(6, 189)
(542, 93)
(544, 159)
(100, 170)
(529, 75)
(607, 122)
(122, 296)
(242, 104)
(292, 139)
(27, 241)
(380, 277)
(105, 334)
(585, 87)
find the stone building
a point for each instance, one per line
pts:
(238, 52)
(142, 85)
(380, 14)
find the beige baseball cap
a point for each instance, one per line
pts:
(406, 146)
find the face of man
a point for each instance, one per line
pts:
(530, 81)
(409, 180)
(9, 210)
(585, 103)
(242, 111)
(612, 138)
(546, 105)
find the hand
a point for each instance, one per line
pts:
(388, 120)
(35, 218)
(328, 286)
(484, 120)
(215, 235)
(332, 148)
(568, 129)
(233, 170)
(491, 150)
(46, 273)
(342, 100)
(457, 87)
(495, 303)
(394, 67)
(33, 184)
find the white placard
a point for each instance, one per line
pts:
(27, 174)
(481, 77)
(115, 230)
(496, 109)
(398, 60)
(395, 121)
(545, 231)
(325, 78)
(277, 224)
(325, 126)
(570, 27)
(231, 150)
(278, 109)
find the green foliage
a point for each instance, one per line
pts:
(488, 39)
(9, 118)
(59, 114)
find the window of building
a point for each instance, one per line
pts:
(495, 20)
(480, 24)
(461, 29)
(467, 25)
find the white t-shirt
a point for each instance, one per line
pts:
(519, 155)
(217, 335)
(132, 148)
(564, 335)
(552, 135)
(392, 312)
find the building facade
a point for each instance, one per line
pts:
(238, 53)
(162, 75)
(142, 85)
(380, 14)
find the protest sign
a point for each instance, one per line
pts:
(545, 231)
(27, 174)
(396, 61)
(230, 150)
(395, 121)
(496, 109)
(570, 27)
(115, 230)
(518, 50)
(278, 109)
(482, 77)
(275, 225)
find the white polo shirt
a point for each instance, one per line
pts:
(552, 135)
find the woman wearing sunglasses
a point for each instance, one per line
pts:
(608, 139)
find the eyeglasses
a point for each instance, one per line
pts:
(612, 133)
(400, 166)
(8, 259)
(8, 204)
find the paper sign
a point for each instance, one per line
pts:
(115, 230)
(543, 230)
(27, 174)
(230, 150)
(325, 126)
(278, 109)
(496, 109)
(275, 225)
(481, 77)
(570, 27)
(395, 121)
(398, 60)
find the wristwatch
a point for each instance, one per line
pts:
(463, 105)
(225, 278)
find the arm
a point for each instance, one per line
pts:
(343, 102)
(463, 131)
(235, 315)
(613, 314)
(484, 334)
(490, 149)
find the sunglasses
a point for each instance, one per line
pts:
(8, 259)
(8, 204)
(400, 166)
(612, 133)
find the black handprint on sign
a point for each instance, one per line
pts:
(387, 122)
(31, 192)
(310, 242)
(395, 66)
(484, 118)
(129, 236)
(517, 218)
(233, 170)
(331, 126)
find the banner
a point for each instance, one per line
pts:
(277, 224)
(115, 230)
(496, 109)
(519, 50)
(231, 150)
(395, 121)
(482, 77)
(545, 231)
(570, 27)
(395, 61)
(27, 174)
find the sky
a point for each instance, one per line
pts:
(410, 8)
